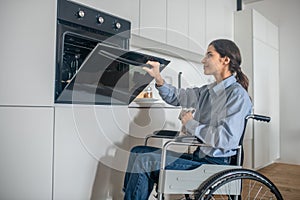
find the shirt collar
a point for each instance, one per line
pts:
(220, 87)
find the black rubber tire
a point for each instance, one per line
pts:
(207, 188)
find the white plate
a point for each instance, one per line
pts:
(145, 100)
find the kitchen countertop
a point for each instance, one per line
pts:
(152, 104)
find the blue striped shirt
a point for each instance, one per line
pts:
(220, 112)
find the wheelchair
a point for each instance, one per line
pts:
(210, 181)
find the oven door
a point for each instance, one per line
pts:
(109, 76)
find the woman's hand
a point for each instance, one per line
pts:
(185, 117)
(154, 72)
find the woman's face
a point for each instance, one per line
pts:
(213, 64)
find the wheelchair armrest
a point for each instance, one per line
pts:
(189, 139)
(184, 141)
(166, 133)
(163, 134)
(179, 141)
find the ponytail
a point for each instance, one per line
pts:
(242, 78)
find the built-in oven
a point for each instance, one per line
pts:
(93, 63)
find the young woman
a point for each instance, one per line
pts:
(221, 108)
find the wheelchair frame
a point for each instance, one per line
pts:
(188, 181)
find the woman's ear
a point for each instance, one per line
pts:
(226, 60)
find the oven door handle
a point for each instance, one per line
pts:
(123, 60)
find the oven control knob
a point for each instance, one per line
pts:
(100, 20)
(117, 25)
(80, 14)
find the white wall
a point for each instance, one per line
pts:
(286, 15)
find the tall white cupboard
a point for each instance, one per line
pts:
(258, 40)
(26, 141)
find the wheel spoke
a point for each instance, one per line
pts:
(247, 184)
(258, 192)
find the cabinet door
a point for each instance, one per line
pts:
(153, 19)
(90, 151)
(27, 55)
(264, 30)
(219, 19)
(274, 105)
(266, 101)
(197, 26)
(261, 82)
(177, 23)
(261, 64)
(26, 141)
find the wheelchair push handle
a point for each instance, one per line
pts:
(259, 117)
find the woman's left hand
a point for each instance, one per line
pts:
(186, 117)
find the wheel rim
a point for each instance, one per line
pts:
(227, 186)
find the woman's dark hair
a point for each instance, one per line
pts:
(228, 48)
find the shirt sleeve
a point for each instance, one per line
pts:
(179, 97)
(226, 133)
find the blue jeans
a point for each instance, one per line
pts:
(143, 169)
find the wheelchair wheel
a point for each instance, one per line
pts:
(237, 184)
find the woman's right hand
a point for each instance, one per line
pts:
(154, 72)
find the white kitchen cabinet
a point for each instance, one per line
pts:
(26, 143)
(197, 26)
(209, 20)
(127, 9)
(258, 41)
(175, 27)
(153, 19)
(219, 19)
(188, 25)
(178, 23)
(27, 54)
(266, 100)
(91, 151)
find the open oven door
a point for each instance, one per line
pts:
(109, 76)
